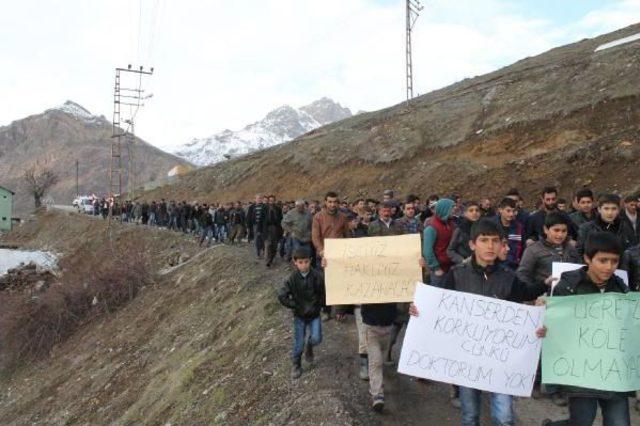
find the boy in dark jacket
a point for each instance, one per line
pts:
(602, 255)
(607, 220)
(303, 292)
(538, 258)
(483, 275)
(459, 249)
(512, 229)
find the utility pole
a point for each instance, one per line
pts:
(131, 97)
(413, 11)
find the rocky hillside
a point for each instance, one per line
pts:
(60, 136)
(281, 125)
(568, 117)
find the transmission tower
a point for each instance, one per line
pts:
(131, 97)
(413, 11)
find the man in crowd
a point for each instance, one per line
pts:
(272, 228)
(513, 231)
(328, 223)
(297, 223)
(236, 222)
(630, 214)
(584, 207)
(436, 238)
(255, 217)
(535, 225)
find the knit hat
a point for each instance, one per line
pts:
(444, 207)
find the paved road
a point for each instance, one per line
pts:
(70, 209)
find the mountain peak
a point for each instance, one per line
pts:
(326, 111)
(75, 110)
(280, 125)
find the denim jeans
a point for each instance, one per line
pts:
(501, 408)
(297, 244)
(582, 412)
(259, 239)
(221, 232)
(300, 326)
(206, 233)
(435, 280)
(173, 222)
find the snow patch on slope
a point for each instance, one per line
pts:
(12, 258)
(618, 42)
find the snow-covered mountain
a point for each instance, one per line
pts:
(280, 125)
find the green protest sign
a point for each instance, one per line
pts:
(593, 341)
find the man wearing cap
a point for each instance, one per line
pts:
(297, 223)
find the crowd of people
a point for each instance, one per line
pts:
(501, 251)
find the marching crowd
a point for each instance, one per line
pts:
(501, 251)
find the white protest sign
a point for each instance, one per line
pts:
(558, 268)
(472, 341)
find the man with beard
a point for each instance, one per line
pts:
(535, 224)
(328, 223)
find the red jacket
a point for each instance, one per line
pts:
(444, 232)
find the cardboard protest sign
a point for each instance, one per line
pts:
(593, 341)
(372, 270)
(473, 341)
(557, 268)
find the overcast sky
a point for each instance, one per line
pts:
(223, 64)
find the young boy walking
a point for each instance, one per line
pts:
(483, 275)
(602, 254)
(303, 292)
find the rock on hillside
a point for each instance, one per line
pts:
(60, 136)
(568, 117)
(281, 125)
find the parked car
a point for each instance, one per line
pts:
(84, 204)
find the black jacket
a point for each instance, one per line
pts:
(459, 249)
(618, 227)
(494, 281)
(537, 262)
(272, 221)
(305, 296)
(236, 216)
(535, 225)
(379, 314)
(255, 214)
(631, 264)
(577, 282)
(630, 224)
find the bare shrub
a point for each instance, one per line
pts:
(32, 324)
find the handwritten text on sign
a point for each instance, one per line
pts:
(472, 341)
(372, 269)
(593, 341)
